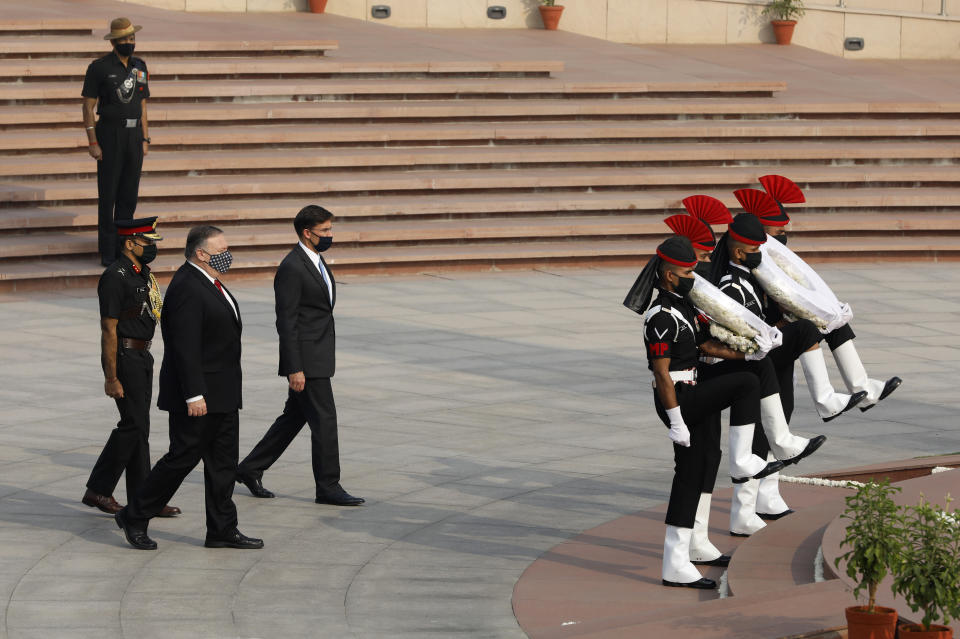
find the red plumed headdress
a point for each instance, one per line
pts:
(708, 209)
(693, 230)
(782, 189)
(763, 206)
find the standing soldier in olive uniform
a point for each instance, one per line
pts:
(115, 86)
(130, 304)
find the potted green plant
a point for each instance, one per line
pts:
(784, 14)
(550, 13)
(928, 577)
(873, 538)
(318, 6)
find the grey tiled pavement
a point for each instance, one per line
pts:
(485, 417)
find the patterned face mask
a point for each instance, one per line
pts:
(221, 261)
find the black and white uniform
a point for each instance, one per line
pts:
(798, 337)
(674, 330)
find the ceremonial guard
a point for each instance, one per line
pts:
(708, 210)
(855, 378)
(130, 306)
(116, 88)
(674, 338)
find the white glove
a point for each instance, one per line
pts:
(764, 345)
(678, 433)
(777, 338)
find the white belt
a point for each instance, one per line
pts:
(688, 376)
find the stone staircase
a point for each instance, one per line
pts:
(436, 164)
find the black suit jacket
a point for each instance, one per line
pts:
(201, 338)
(305, 316)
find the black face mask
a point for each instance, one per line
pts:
(782, 238)
(752, 260)
(684, 286)
(323, 243)
(702, 269)
(125, 50)
(149, 254)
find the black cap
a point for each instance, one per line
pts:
(141, 227)
(677, 250)
(748, 229)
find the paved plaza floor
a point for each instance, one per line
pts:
(486, 417)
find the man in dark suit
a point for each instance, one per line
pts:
(200, 387)
(305, 295)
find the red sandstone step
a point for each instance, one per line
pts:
(29, 166)
(87, 46)
(16, 26)
(329, 133)
(64, 68)
(421, 110)
(861, 208)
(316, 185)
(506, 87)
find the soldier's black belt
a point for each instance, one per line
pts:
(136, 344)
(122, 123)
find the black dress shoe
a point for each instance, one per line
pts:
(702, 584)
(733, 534)
(236, 539)
(773, 467)
(774, 517)
(811, 448)
(339, 498)
(892, 384)
(855, 399)
(723, 561)
(136, 538)
(255, 484)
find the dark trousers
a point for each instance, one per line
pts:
(798, 337)
(118, 182)
(128, 447)
(314, 405)
(837, 338)
(700, 405)
(213, 439)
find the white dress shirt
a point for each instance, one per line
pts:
(315, 258)
(229, 301)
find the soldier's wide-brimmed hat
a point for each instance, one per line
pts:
(121, 28)
(145, 227)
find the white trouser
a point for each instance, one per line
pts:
(784, 444)
(855, 375)
(743, 463)
(769, 501)
(700, 547)
(828, 401)
(743, 508)
(676, 556)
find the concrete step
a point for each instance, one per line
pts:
(317, 185)
(47, 27)
(342, 89)
(18, 274)
(474, 109)
(854, 209)
(504, 156)
(508, 132)
(78, 46)
(186, 67)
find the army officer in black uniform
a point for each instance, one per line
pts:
(116, 88)
(130, 305)
(675, 337)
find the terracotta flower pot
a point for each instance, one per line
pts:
(551, 16)
(783, 30)
(879, 624)
(318, 6)
(916, 631)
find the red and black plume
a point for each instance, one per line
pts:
(763, 206)
(707, 209)
(782, 189)
(692, 229)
